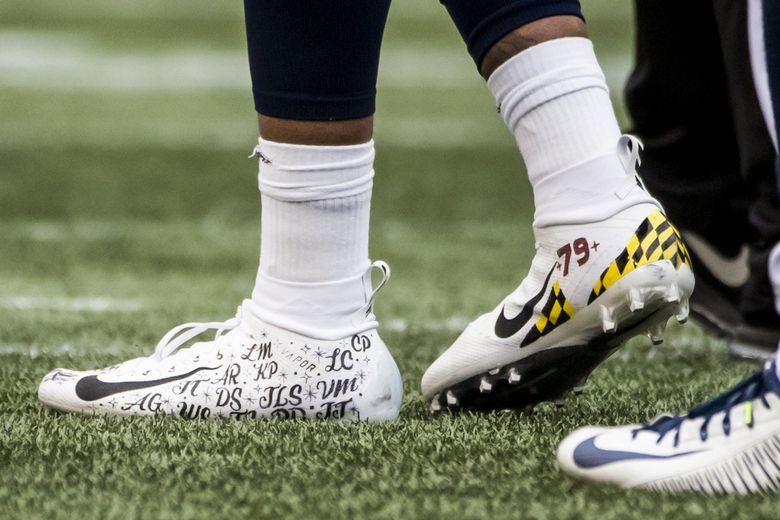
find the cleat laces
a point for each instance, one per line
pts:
(753, 387)
(182, 334)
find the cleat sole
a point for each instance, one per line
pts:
(683, 311)
(672, 294)
(636, 300)
(451, 399)
(656, 333)
(552, 372)
(608, 323)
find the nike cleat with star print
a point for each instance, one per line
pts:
(251, 369)
(730, 444)
(590, 288)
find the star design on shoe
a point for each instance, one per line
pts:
(235, 376)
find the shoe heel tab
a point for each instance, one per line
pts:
(628, 149)
(384, 269)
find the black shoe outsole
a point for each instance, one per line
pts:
(548, 375)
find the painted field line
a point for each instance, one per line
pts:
(78, 304)
(36, 351)
(70, 62)
(451, 324)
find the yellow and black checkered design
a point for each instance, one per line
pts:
(655, 239)
(556, 311)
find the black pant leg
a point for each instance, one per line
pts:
(756, 159)
(678, 98)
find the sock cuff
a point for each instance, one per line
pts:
(587, 192)
(541, 58)
(543, 73)
(297, 173)
(325, 310)
(307, 156)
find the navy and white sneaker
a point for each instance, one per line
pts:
(730, 444)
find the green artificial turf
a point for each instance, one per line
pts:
(127, 206)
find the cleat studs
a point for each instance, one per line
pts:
(451, 399)
(579, 388)
(635, 300)
(514, 376)
(656, 333)
(682, 311)
(494, 371)
(672, 294)
(607, 320)
(560, 403)
(485, 386)
(435, 404)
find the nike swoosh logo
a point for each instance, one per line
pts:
(732, 272)
(506, 328)
(587, 455)
(90, 388)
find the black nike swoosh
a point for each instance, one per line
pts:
(90, 388)
(506, 327)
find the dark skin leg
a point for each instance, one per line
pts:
(321, 133)
(357, 131)
(529, 35)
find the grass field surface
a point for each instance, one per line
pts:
(128, 206)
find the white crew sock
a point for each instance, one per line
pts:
(314, 261)
(555, 100)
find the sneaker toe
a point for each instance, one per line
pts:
(57, 389)
(570, 443)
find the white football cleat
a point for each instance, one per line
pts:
(251, 369)
(730, 444)
(590, 288)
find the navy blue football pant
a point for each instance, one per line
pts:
(318, 59)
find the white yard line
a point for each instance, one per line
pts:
(71, 62)
(64, 61)
(682, 344)
(61, 61)
(78, 304)
(35, 351)
(451, 324)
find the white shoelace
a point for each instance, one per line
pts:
(182, 334)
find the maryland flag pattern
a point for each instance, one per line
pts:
(556, 311)
(655, 239)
